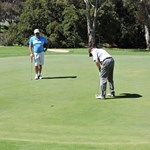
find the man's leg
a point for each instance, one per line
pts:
(39, 69)
(110, 78)
(36, 72)
(40, 65)
(103, 78)
(36, 69)
(103, 84)
(37, 62)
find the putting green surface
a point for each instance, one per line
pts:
(60, 112)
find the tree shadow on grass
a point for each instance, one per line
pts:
(126, 95)
(60, 77)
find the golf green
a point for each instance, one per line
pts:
(60, 112)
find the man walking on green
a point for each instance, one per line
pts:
(36, 48)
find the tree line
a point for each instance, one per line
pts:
(77, 23)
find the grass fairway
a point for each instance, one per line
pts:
(60, 112)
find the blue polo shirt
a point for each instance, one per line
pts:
(38, 44)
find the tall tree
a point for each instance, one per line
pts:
(92, 8)
(145, 19)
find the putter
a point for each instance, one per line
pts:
(98, 87)
(31, 67)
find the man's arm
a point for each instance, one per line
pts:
(31, 52)
(45, 46)
(98, 65)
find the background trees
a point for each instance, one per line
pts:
(114, 23)
(9, 15)
(132, 33)
(10, 10)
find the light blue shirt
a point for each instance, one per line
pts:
(38, 44)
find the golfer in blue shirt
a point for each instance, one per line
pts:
(38, 44)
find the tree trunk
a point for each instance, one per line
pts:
(91, 23)
(146, 21)
(147, 37)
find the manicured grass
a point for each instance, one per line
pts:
(12, 51)
(60, 112)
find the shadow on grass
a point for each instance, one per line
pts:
(126, 95)
(60, 77)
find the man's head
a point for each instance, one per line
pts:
(37, 32)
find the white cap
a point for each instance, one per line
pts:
(36, 31)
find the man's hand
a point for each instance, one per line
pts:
(99, 69)
(45, 46)
(45, 49)
(31, 56)
(98, 65)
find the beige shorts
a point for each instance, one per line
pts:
(39, 58)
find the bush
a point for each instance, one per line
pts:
(6, 40)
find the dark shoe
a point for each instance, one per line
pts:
(111, 94)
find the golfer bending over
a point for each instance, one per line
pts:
(105, 64)
(38, 45)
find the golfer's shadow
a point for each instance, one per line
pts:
(60, 77)
(128, 95)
